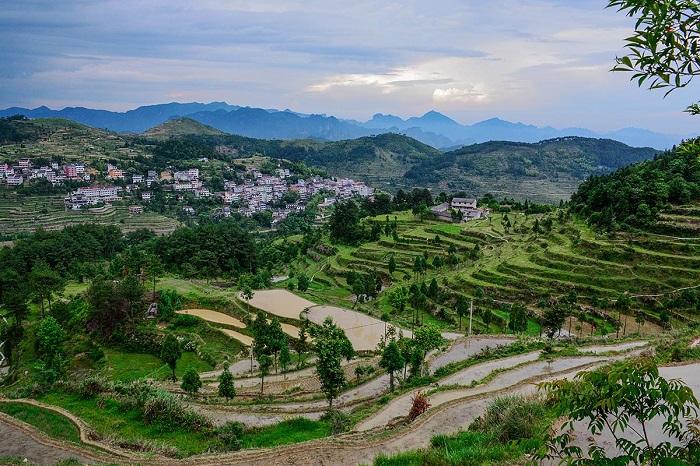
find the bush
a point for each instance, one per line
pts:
(184, 321)
(166, 410)
(230, 435)
(419, 405)
(338, 421)
(93, 385)
(512, 418)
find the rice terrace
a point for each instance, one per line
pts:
(300, 278)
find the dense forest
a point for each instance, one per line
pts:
(634, 196)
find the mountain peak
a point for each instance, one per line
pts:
(436, 116)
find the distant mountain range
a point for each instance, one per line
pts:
(433, 128)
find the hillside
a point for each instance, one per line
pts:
(638, 195)
(181, 127)
(542, 171)
(60, 138)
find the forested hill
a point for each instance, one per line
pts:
(545, 170)
(636, 196)
(181, 127)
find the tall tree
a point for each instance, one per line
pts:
(518, 318)
(391, 361)
(44, 282)
(227, 389)
(170, 352)
(331, 345)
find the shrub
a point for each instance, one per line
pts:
(166, 410)
(338, 421)
(230, 435)
(93, 385)
(419, 405)
(184, 321)
(512, 418)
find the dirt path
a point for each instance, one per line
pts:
(26, 443)
(452, 412)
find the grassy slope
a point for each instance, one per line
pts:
(520, 266)
(49, 422)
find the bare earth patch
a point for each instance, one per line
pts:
(213, 316)
(281, 303)
(363, 331)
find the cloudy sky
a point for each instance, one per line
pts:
(543, 62)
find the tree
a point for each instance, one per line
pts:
(426, 338)
(518, 318)
(344, 223)
(331, 345)
(552, 320)
(392, 265)
(663, 51)
(190, 381)
(285, 355)
(302, 282)
(640, 318)
(302, 343)
(154, 267)
(391, 361)
(622, 399)
(622, 304)
(433, 289)
(247, 294)
(264, 363)
(50, 338)
(462, 309)
(398, 298)
(227, 389)
(170, 352)
(43, 282)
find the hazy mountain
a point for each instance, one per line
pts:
(496, 129)
(135, 121)
(432, 128)
(181, 127)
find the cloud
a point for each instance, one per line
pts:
(453, 94)
(541, 61)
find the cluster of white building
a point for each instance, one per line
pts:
(464, 210)
(263, 192)
(16, 175)
(92, 195)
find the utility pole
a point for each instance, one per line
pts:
(471, 314)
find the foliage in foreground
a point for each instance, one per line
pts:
(623, 400)
(510, 428)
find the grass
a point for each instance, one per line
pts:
(51, 423)
(286, 432)
(125, 367)
(464, 449)
(510, 428)
(109, 420)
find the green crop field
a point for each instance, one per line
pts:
(520, 266)
(27, 214)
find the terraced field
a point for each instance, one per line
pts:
(516, 265)
(26, 214)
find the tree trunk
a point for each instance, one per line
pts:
(391, 381)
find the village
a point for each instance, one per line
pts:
(280, 192)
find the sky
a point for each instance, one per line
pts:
(543, 62)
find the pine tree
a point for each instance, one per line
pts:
(227, 389)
